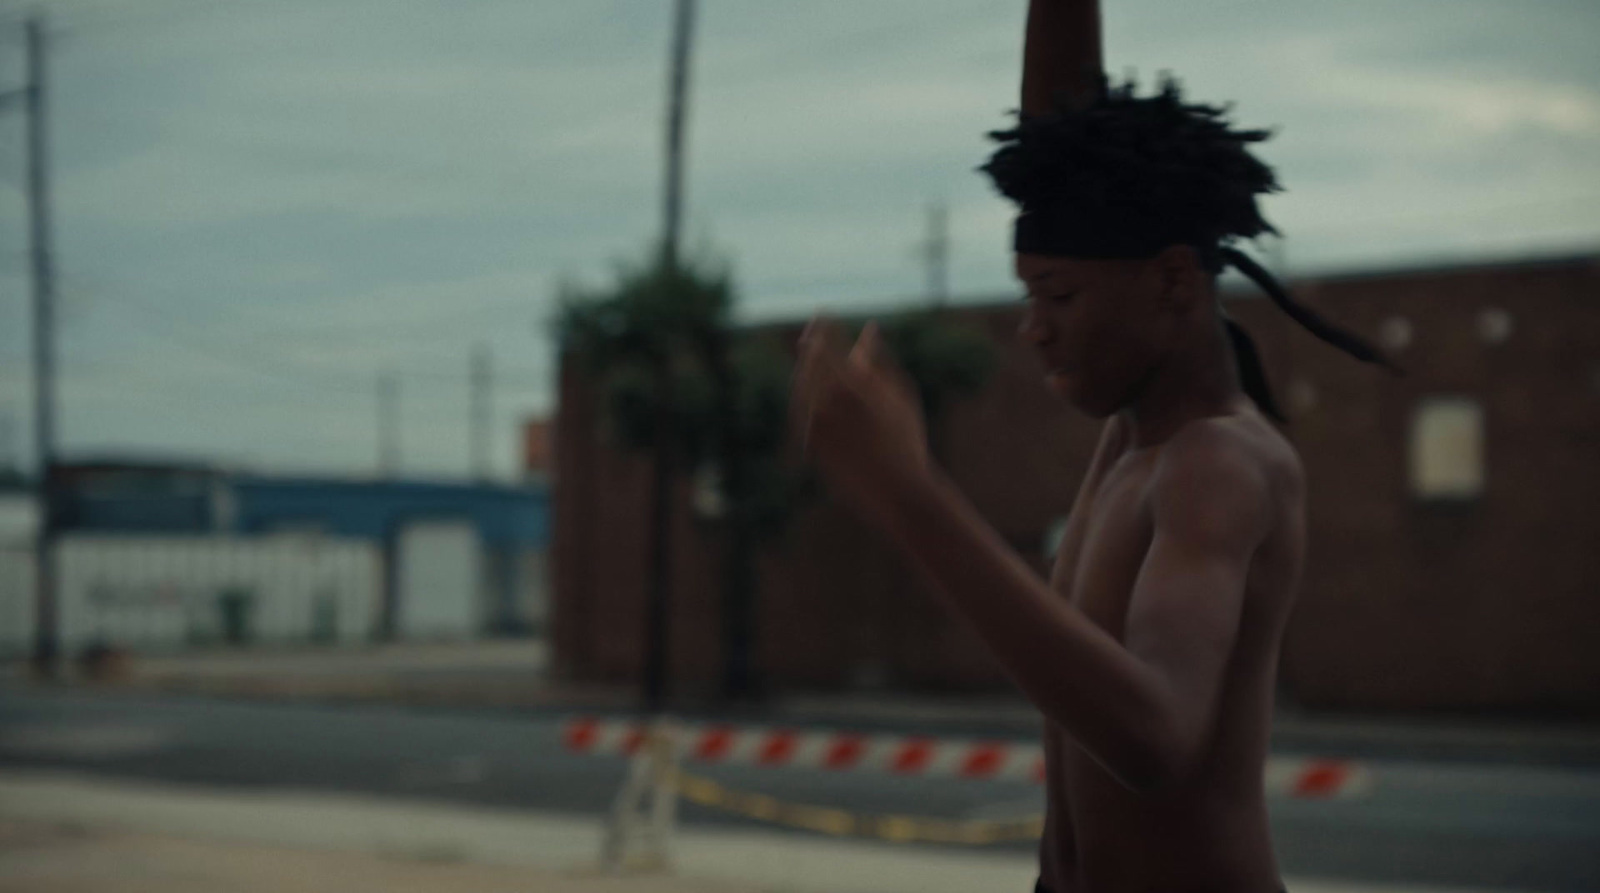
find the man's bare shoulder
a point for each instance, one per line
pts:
(1239, 449)
(1225, 477)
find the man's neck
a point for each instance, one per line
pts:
(1199, 380)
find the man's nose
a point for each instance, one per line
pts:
(1032, 329)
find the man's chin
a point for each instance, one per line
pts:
(1067, 387)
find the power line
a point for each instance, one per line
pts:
(74, 20)
(245, 358)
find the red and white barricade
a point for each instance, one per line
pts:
(999, 760)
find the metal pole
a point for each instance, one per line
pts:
(46, 639)
(388, 425)
(482, 411)
(938, 255)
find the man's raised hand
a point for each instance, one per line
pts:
(858, 418)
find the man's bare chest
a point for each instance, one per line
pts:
(1116, 536)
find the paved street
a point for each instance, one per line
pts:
(1507, 826)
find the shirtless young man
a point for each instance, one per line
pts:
(1152, 649)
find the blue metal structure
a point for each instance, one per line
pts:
(511, 522)
(145, 499)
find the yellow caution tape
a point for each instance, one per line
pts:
(841, 823)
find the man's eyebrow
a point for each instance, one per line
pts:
(1052, 280)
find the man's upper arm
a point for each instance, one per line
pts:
(1212, 506)
(1061, 56)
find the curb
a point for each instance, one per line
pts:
(1573, 743)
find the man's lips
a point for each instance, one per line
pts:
(1054, 370)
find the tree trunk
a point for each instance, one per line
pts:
(739, 680)
(657, 654)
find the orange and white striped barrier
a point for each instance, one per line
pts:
(998, 760)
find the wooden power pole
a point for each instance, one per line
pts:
(46, 642)
(658, 610)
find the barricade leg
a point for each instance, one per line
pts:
(643, 817)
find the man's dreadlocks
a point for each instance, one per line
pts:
(1126, 176)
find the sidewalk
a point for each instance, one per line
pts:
(42, 857)
(512, 675)
(62, 833)
(293, 842)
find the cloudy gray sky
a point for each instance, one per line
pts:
(263, 206)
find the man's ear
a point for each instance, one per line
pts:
(1180, 277)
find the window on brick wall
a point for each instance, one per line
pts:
(1446, 449)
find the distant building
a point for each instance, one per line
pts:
(154, 553)
(1452, 560)
(505, 530)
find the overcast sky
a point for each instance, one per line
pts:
(261, 206)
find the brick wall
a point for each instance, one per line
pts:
(1489, 603)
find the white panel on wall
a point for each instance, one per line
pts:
(166, 593)
(16, 601)
(439, 570)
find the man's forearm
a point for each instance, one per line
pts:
(1061, 55)
(1077, 674)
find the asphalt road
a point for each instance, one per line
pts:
(1506, 826)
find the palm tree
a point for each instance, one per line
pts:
(681, 383)
(643, 342)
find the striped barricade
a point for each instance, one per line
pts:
(998, 760)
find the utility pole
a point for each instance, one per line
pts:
(658, 608)
(482, 408)
(46, 643)
(388, 425)
(677, 114)
(936, 254)
(658, 764)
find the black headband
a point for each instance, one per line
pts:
(1062, 235)
(1126, 235)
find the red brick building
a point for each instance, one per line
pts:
(1454, 545)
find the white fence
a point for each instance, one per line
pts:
(16, 600)
(168, 593)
